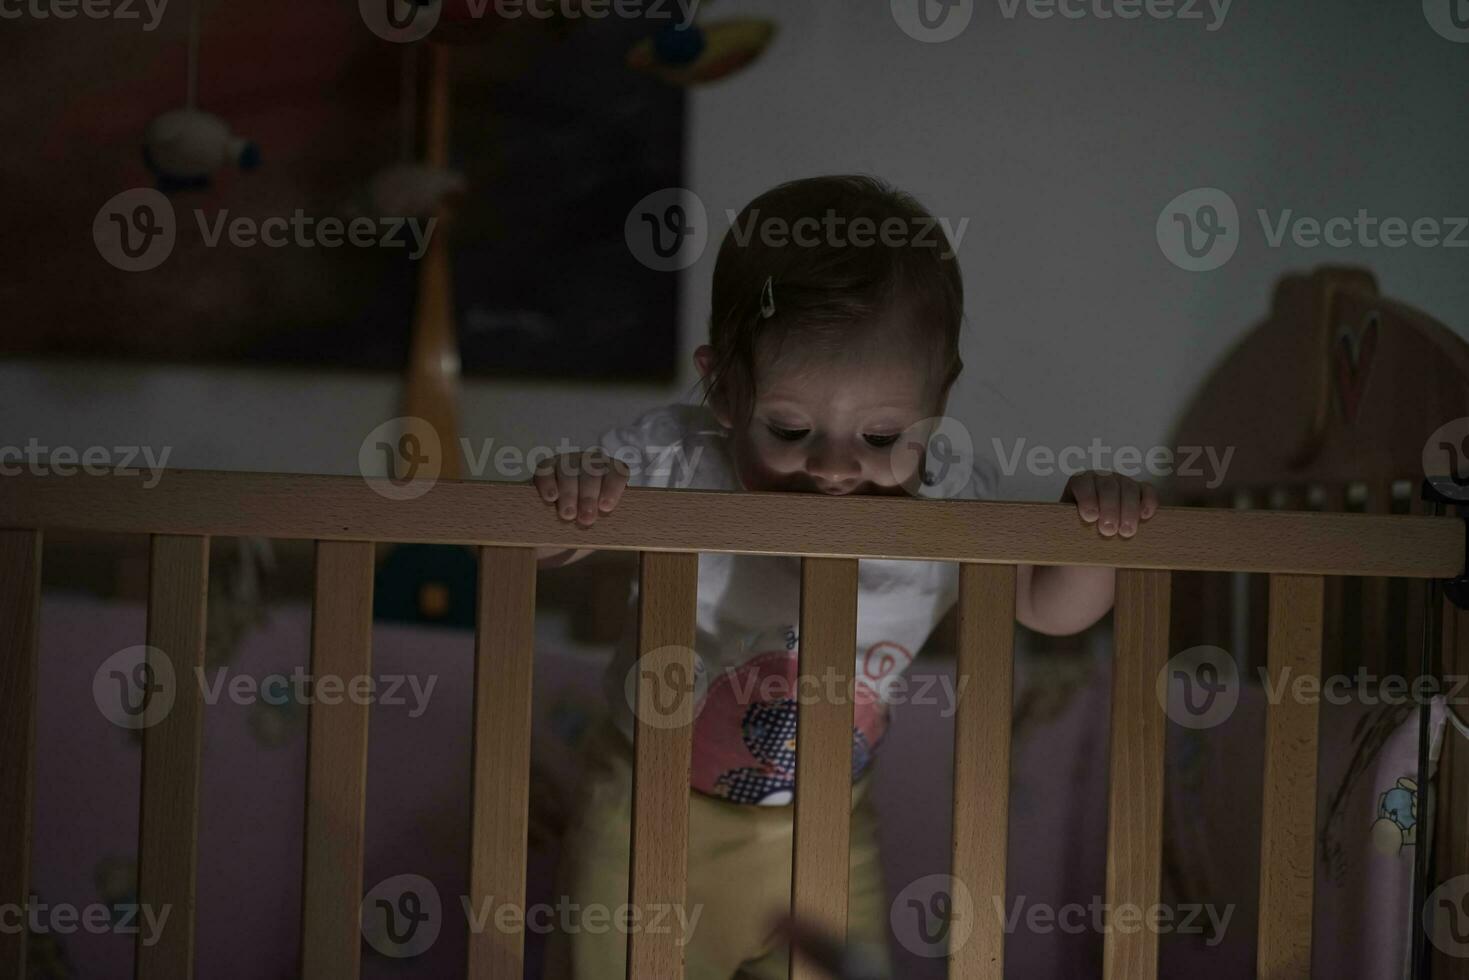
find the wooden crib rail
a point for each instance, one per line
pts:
(343, 508)
(987, 539)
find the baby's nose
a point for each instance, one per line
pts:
(832, 464)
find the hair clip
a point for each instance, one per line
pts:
(767, 298)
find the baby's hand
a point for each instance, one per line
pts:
(1116, 503)
(583, 485)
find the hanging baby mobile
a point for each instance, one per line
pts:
(185, 147)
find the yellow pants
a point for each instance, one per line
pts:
(739, 877)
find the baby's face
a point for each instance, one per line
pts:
(825, 422)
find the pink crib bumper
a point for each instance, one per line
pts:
(253, 779)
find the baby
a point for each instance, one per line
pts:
(831, 347)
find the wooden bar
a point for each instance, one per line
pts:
(814, 525)
(503, 672)
(168, 832)
(1288, 826)
(20, 617)
(982, 762)
(1135, 783)
(662, 753)
(336, 773)
(823, 824)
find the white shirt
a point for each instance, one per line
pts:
(748, 615)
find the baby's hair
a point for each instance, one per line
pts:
(873, 248)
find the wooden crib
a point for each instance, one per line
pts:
(346, 516)
(1329, 402)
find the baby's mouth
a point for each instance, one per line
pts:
(857, 490)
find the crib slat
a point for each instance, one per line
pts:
(20, 598)
(662, 753)
(336, 775)
(982, 762)
(1288, 826)
(168, 835)
(828, 645)
(504, 644)
(1135, 790)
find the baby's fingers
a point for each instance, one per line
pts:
(1109, 506)
(1150, 501)
(1083, 489)
(544, 479)
(567, 481)
(600, 487)
(612, 485)
(1131, 503)
(588, 492)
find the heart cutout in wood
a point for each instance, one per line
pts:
(1354, 352)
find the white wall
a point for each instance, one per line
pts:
(1060, 141)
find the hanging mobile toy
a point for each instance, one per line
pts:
(679, 44)
(410, 188)
(184, 147)
(690, 54)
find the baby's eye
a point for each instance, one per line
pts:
(789, 435)
(882, 441)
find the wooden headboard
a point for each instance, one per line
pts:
(1326, 405)
(1338, 386)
